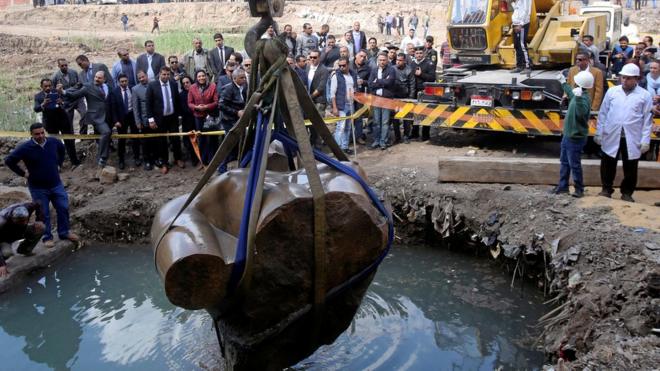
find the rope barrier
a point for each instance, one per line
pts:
(25, 134)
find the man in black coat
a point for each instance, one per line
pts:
(330, 53)
(300, 65)
(359, 39)
(98, 110)
(424, 72)
(317, 77)
(381, 82)
(55, 118)
(226, 79)
(219, 56)
(121, 106)
(404, 89)
(163, 117)
(150, 62)
(232, 106)
(287, 38)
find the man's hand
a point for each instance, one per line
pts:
(240, 113)
(335, 112)
(152, 125)
(418, 71)
(597, 139)
(60, 101)
(4, 271)
(138, 125)
(45, 102)
(118, 125)
(644, 147)
(59, 88)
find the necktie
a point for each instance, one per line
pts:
(102, 91)
(222, 57)
(167, 100)
(125, 101)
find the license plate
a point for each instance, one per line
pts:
(481, 101)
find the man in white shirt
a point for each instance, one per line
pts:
(410, 39)
(624, 129)
(342, 86)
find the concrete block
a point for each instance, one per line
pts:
(513, 170)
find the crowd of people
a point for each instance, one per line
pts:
(206, 90)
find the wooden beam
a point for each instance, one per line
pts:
(533, 171)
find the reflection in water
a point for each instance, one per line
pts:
(104, 309)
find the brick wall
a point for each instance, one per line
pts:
(6, 3)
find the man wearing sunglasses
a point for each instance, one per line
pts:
(342, 85)
(582, 64)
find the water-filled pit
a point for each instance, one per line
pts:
(104, 308)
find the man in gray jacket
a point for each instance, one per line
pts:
(96, 95)
(139, 97)
(307, 41)
(69, 78)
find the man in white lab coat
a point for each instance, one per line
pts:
(624, 129)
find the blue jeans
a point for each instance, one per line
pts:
(343, 129)
(58, 196)
(381, 126)
(571, 152)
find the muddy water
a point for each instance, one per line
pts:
(104, 309)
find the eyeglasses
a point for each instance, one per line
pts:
(174, 62)
(310, 57)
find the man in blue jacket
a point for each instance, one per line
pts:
(43, 157)
(382, 79)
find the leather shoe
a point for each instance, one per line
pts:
(605, 193)
(138, 163)
(627, 198)
(158, 163)
(148, 166)
(578, 194)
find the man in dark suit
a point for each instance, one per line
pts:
(424, 72)
(300, 65)
(287, 38)
(121, 106)
(382, 79)
(330, 53)
(88, 70)
(163, 117)
(226, 79)
(150, 62)
(96, 95)
(359, 39)
(55, 118)
(219, 56)
(232, 106)
(317, 77)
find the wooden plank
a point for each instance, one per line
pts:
(533, 171)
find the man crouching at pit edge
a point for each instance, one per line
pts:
(14, 226)
(43, 157)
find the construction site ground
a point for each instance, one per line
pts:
(606, 260)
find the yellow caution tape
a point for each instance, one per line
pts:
(23, 134)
